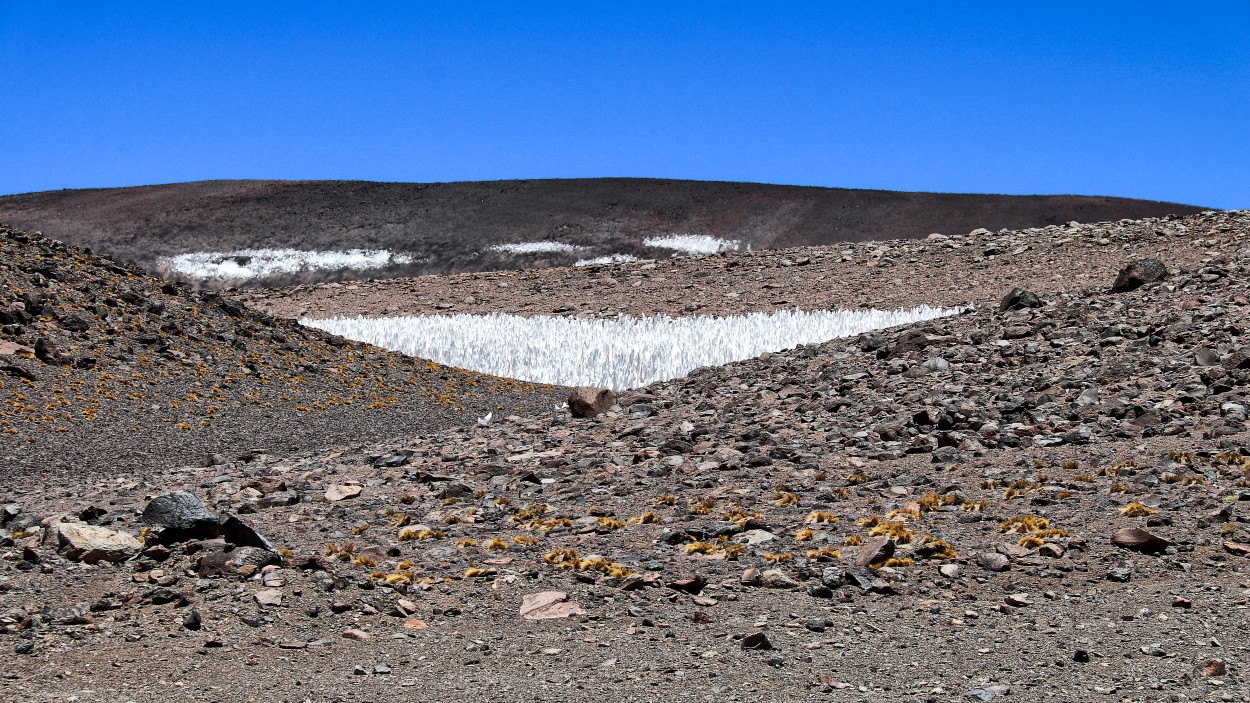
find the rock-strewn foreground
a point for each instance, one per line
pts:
(1045, 502)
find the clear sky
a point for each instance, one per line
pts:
(1140, 99)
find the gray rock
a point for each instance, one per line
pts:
(993, 561)
(833, 577)
(179, 516)
(192, 620)
(239, 532)
(753, 537)
(1119, 574)
(865, 580)
(776, 578)
(819, 624)
(1206, 357)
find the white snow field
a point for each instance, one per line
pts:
(627, 352)
(535, 248)
(693, 243)
(609, 259)
(258, 263)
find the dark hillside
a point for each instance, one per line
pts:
(447, 227)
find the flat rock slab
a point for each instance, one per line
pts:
(1139, 540)
(336, 493)
(269, 596)
(549, 605)
(92, 544)
(14, 349)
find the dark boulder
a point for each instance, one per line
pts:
(179, 516)
(1018, 299)
(239, 532)
(1139, 273)
(589, 402)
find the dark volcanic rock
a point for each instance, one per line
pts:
(1019, 299)
(238, 531)
(180, 516)
(1139, 273)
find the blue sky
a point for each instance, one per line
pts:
(1137, 99)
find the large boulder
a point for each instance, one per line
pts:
(91, 544)
(589, 402)
(1139, 273)
(1018, 299)
(179, 516)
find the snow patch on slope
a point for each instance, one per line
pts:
(258, 263)
(693, 243)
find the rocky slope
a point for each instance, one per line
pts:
(954, 270)
(449, 227)
(105, 370)
(1041, 498)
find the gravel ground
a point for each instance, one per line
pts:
(1040, 502)
(957, 270)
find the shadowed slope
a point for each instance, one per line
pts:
(103, 369)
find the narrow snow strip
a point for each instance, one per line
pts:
(258, 263)
(609, 259)
(628, 352)
(693, 243)
(535, 248)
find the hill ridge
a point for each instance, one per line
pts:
(450, 227)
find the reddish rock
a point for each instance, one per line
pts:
(873, 550)
(548, 605)
(1139, 540)
(336, 493)
(589, 402)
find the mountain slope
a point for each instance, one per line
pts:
(103, 369)
(448, 227)
(1009, 504)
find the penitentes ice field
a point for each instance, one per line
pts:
(622, 353)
